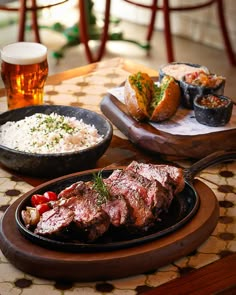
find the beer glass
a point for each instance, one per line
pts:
(24, 70)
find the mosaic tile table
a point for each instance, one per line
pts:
(200, 271)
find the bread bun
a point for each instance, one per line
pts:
(146, 101)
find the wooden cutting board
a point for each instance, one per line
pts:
(50, 264)
(155, 140)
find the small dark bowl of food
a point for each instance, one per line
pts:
(213, 110)
(52, 140)
(194, 80)
(179, 69)
(198, 84)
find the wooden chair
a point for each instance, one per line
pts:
(166, 8)
(85, 7)
(23, 8)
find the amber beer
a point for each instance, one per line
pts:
(24, 70)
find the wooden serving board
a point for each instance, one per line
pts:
(50, 264)
(151, 139)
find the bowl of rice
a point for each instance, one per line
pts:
(52, 140)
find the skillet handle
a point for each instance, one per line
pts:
(212, 159)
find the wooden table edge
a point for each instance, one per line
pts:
(219, 277)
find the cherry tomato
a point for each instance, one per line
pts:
(43, 208)
(50, 196)
(38, 199)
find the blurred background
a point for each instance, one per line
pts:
(196, 34)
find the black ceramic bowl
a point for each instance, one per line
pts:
(213, 110)
(57, 164)
(179, 69)
(190, 91)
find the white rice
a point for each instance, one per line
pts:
(43, 134)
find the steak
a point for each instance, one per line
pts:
(170, 177)
(137, 195)
(87, 218)
(117, 208)
(54, 220)
(122, 183)
(71, 191)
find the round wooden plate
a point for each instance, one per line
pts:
(50, 264)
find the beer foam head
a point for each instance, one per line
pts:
(24, 53)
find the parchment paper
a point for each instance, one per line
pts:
(183, 122)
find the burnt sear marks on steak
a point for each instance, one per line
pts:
(170, 177)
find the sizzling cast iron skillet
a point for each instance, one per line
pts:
(182, 209)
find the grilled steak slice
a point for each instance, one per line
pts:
(54, 221)
(89, 217)
(156, 197)
(78, 208)
(119, 183)
(71, 191)
(168, 176)
(117, 208)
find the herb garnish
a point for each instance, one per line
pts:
(101, 188)
(136, 79)
(158, 94)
